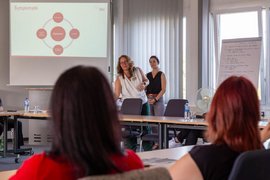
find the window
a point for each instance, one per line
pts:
(241, 24)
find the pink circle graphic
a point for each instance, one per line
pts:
(74, 33)
(53, 28)
(58, 49)
(58, 33)
(41, 33)
(58, 17)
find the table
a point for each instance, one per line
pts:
(161, 122)
(164, 124)
(163, 157)
(5, 116)
(171, 154)
(5, 175)
(29, 115)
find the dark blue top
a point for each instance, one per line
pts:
(214, 161)
(154, 86)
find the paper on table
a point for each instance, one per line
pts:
(158, 161)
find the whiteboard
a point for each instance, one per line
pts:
(240, 57)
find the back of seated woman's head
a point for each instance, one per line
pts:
(85, 120)
(234, 115)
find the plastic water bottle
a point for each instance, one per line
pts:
(26, 105)
(187, 110)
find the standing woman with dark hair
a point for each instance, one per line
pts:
(156, 88)
(232, 129)
(86, 131)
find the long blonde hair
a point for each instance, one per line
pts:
(130, 63)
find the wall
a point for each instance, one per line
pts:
(191, 13)
(219, 5)
(12, 96)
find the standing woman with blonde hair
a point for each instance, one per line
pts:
(131, 83)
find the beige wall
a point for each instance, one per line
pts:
(12, 96)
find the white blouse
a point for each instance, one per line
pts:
(130, 87)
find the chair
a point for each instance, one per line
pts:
(148, 174)
(131, 106)
(175, 108)
(252, 165)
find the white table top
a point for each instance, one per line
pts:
(163, 157)
(5, 175)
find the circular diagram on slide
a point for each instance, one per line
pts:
(58, 33)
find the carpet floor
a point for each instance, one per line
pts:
(8, 163)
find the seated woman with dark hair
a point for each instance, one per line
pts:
(86, 131)
(232, 129)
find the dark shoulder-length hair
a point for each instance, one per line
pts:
(130, 63)
(154, 57)
(85, 121)
(234, 115)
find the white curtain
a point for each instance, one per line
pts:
(151, 27)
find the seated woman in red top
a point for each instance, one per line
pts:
(86, 131)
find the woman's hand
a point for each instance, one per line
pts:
(151, 101)
(141, 86)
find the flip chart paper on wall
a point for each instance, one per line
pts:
(240, 57)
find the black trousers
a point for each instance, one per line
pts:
(191, 136)
(11, 125)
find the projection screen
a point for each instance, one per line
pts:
(48, 37)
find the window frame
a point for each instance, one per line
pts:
(215, 49)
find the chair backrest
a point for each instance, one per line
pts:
(148, 174)
(252, 165)
(175, 107)
(131, 106)
(1, 106)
